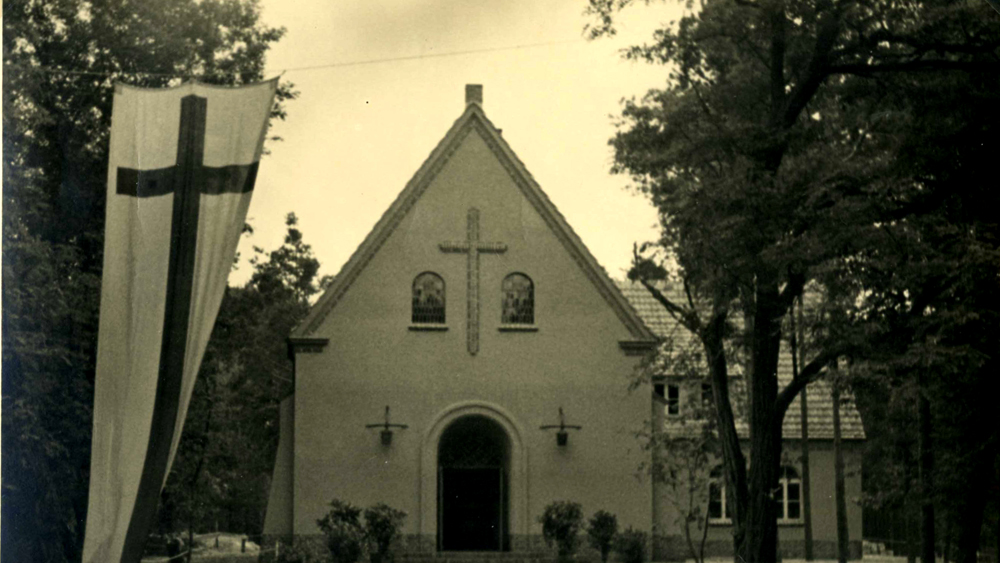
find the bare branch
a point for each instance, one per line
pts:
(809, 373)
(687, 317)
(817, 70)
(777, 63)
(687, 292)
(796, 282)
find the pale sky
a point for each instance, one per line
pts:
(358, 133)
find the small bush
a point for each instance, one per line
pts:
(382, 525)
(561, 522)
(300, 551)
(344, 534)
(601, 532)
(291, 554)
(630, 546)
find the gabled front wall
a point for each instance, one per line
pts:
(373, 359)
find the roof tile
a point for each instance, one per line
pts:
(818, 394)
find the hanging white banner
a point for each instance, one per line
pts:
(181, 171)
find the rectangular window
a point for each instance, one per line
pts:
(673, 400)
(706, 395)
(779, 500)
(793, 501)
(715, 501)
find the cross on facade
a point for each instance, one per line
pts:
(472, 247)
(187, 180)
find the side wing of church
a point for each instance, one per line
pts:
(473, 316)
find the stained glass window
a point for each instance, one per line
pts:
(518, 300)
(428, 298)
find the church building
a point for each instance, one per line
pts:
(469, 365)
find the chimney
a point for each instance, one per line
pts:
(474, 94)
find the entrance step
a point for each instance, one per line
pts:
(477, 557)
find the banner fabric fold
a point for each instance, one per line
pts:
(181, 170)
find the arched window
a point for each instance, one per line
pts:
(518, 300)
(788, 496)
(718, 510)
(428, 298)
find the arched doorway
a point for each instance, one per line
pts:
(473, 486)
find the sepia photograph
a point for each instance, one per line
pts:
(512, 281)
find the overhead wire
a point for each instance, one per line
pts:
(53, 70)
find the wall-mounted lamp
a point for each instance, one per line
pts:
(386, 433)
(562, 437)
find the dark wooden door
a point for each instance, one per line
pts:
(471, 509)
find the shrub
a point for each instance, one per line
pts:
(561, 522)
(300, 551)
(630, 546)
(344, 535)
(382, 524)
(291, 554)
(601, 532)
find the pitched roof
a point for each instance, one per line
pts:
(819, 398)
(473, 119)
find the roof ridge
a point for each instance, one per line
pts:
(318, 312)
(632, 318)
(474, 118)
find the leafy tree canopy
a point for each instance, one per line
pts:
(61, 60)
(776, 154)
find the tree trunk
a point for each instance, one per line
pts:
(838, 455)
(975, 504)
(926, 473)
(947, 536)
(732, 456)
(806, 489)
(704, 538)
(797, 340)
(761, 541)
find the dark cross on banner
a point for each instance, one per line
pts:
(187, 180)
(473, 248)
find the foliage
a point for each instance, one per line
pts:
(684, 448)
(348, 539)
(290, 271)
(775, 156)
(382, 526)
(49, 336)
(561, 522)
(927, 297)
(345, 537)
(55, 138)
(601, 531)
(302, 551)
(292, 554)
(234, 408)
(683, 455)
(630, 545)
